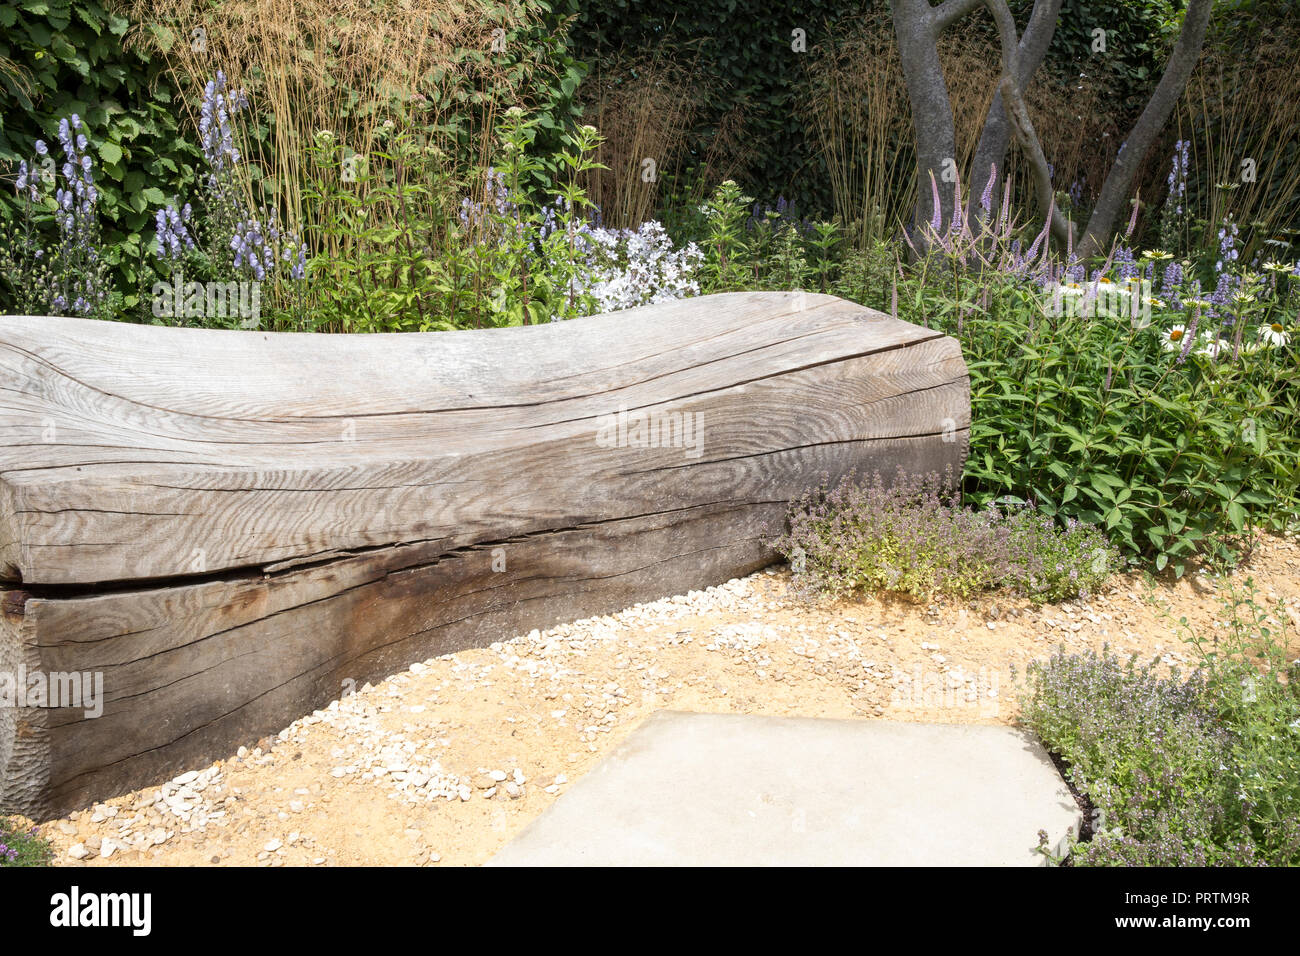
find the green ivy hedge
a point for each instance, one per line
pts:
(67, 56)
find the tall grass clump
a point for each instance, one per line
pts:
(857, 103)
(1240, 119)
(643, 110)
(382, 110)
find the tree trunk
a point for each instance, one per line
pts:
(1017, 113)
(1114, 191)
(917, 29)
(991, 152)
(918, 25)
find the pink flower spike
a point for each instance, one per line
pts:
(936, 208)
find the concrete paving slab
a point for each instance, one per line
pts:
(690, 789)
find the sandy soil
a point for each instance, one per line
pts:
(444, 763)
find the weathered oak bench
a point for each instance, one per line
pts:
(226, 527)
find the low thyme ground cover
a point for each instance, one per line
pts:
(1183, 770)
(22, 846)
(913, 536)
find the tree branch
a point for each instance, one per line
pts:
(1018, 115)
(950, 11)
(1114, 190)
(991, 151)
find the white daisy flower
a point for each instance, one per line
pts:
(1173, 338)
(1275, 335)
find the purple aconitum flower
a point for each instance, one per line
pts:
(250, 248)
(1125, 267)
(173, 236)
(1227, 245)
(25, 184)
(1177, 181)
(78, 280)
(1227, 281)
(492, 216)
(299, 270)
(216, 136)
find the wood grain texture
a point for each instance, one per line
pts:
(228, 525)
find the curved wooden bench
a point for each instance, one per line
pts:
(228, 526)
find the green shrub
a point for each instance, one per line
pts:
(1195, 771)
(412, 259)
(1171, 421)
(23, 847)
(68, 59)
(914, 537)
(765, 248)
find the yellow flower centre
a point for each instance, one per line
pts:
(1175, 335)
(1276, 327)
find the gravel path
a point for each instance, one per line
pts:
(444, 762)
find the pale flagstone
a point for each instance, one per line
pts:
(734, 790)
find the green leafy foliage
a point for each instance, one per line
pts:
(413, 258)
(1091, 414)
(1183, 771)
(69, 58)
(22, 845)
(749, 247)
